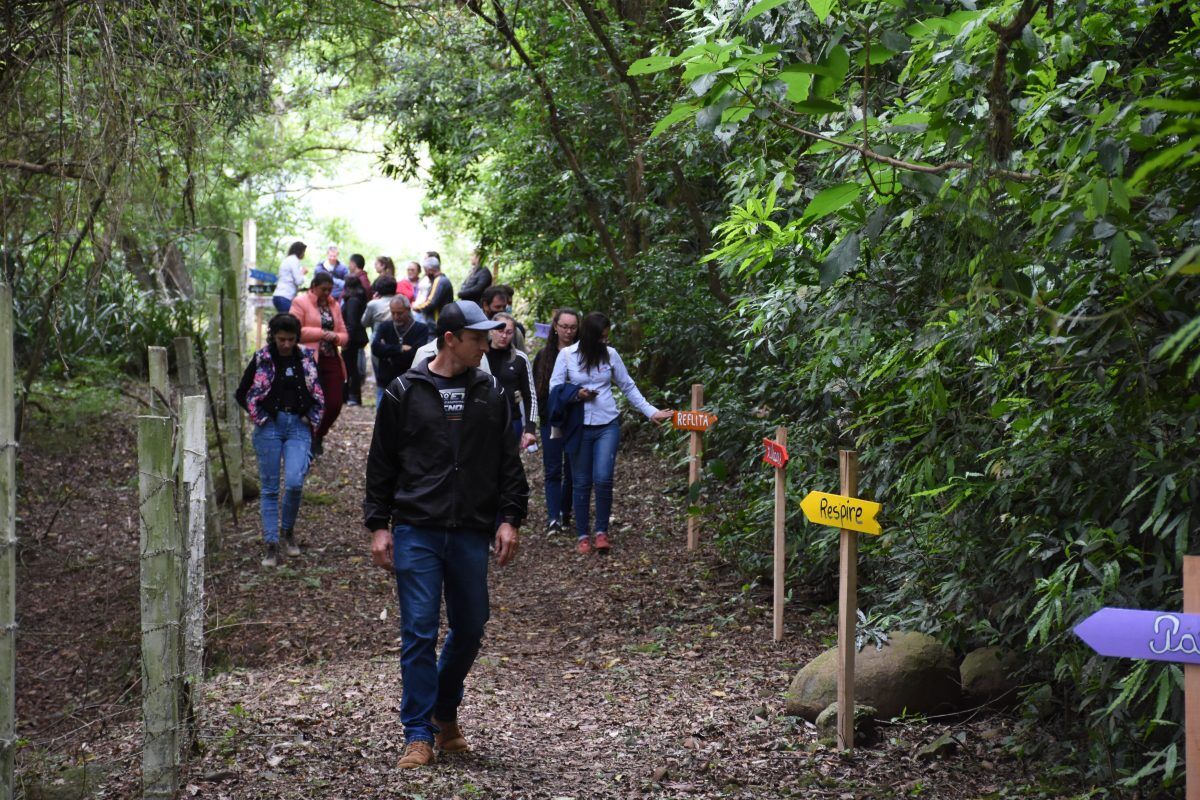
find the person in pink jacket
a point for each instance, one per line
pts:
(322, 328)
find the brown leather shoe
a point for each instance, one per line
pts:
(416, 754)
(449, 738)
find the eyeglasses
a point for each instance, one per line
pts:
(562, 327)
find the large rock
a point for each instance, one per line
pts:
(985, 675)
(912, 672)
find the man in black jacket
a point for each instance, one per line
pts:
(443, 467)
(478, 279)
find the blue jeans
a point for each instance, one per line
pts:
(594, 464)
(286, 438)
(430, 562)
(557, 469)
(282, 304)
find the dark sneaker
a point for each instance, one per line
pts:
(555, 527)
(271, 559)
(416, 754)
(289, 544)
(449, 738)
(602, 544)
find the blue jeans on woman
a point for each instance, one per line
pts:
(557, 469)
(428, 563)
(594, 464)
(282, 304)
(286, 439)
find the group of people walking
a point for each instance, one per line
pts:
(457, 401)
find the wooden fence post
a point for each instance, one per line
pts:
(194, 469)
(780, 539)
(847, 607)
(1191, 685)
(233, 416)
(212, 352)
(694, 456)
(190, 385)
(160, 607)
(185, 366)
(8, 549)
(160, 384)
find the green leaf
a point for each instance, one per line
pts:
(837, 64)
(1163, 159)
(1171, 104)
(821, 8)
(841, 258)
(1118, 251)
(761, 7)
(816, 105)
(798, 84)
(651, 64)
(679, 112)
(830, 200)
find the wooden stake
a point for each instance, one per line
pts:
(160, 385)
(160, 606)
(185, 366)
(780, 540)
(694, 456)
(212, 350)
(233, 412)
(8, 549)
(1191, 684)
(193, 472)
(847, 608)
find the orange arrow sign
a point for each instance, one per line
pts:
(693, 420)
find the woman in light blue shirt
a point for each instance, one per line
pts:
(594, 367)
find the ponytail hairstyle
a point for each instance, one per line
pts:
(550, 351)
(592, 350)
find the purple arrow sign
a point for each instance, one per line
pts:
(1151, 635)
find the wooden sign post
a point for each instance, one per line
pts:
(1160, 636)
(850, 514)
(697, 422)
(776, 455)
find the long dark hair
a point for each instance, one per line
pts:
(592, 350)
(297, 249)
(549, 354)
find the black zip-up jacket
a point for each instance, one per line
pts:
(478, 279)
(414, 477)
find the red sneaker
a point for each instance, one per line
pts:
(602, 543)
(583, 546)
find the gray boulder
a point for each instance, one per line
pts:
(864, 723)
(913, 672)
(985, 674)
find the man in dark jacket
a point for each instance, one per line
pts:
(396, 343)
(478, 279)
(443, 467)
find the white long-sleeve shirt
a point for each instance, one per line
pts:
(291, 275)
(602, 409)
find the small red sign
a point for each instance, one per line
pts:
(774, 453)
(693, 420)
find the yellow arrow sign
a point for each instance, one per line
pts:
(837, 511)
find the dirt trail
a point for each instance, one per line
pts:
(646, 672)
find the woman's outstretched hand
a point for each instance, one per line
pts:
(662, 416)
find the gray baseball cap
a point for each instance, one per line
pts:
(465, 314)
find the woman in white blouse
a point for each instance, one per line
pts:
(291, 276)
(594, 367)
